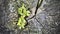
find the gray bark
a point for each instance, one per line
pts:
(47, 20)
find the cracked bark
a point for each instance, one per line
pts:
(38, 5)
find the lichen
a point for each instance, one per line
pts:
(23, 12)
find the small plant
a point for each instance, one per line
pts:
(23, 12)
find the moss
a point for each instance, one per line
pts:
(23, 12)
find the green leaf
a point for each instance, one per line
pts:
(19, 21)
(20, 11)
(28, 13)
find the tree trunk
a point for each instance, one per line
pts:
(47, 20)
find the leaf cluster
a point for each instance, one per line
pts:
(23, 12)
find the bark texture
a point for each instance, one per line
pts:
(47, 20)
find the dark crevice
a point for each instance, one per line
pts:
(38, 5)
